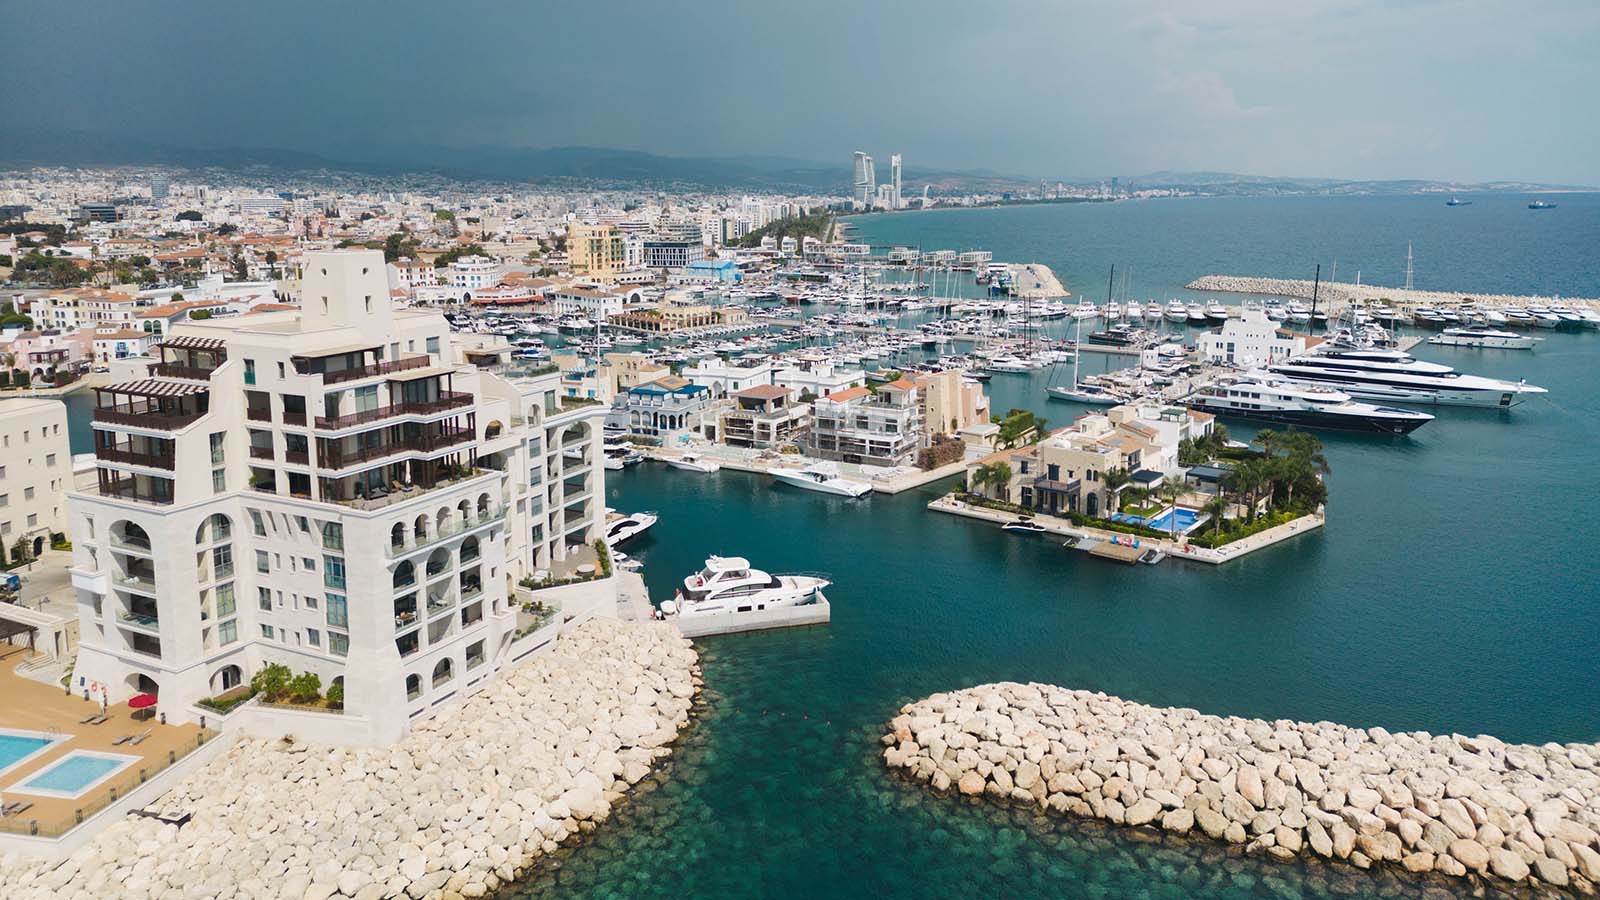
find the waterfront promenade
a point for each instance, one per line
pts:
(467, 802)
(1450, 805)
(1179, 548)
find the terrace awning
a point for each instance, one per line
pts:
(150, 387)
(185, 342)
(1147, 477)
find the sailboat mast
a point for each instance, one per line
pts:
(1315, 287)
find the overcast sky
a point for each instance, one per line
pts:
(1467, 89)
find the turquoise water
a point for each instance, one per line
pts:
(1451, 591)
(14, 748)
(1186, 520)
(73, 774)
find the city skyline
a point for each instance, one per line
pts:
(1228, 88)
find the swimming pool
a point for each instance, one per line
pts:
(75, 774)
(17, 747)
(1188, 520)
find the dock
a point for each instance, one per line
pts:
(818, 613)
(1117, 551)
(883, 482)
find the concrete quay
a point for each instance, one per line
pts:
(1179, 549)
(883, 481)
(1338, 293)
(1449, 806)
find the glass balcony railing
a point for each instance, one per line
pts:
(454, 527)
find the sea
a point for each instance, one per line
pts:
(1452, 590)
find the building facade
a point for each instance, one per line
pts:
(859, 426)
(598, 250)
(35, 473)
(331, 488)
(1251, 340)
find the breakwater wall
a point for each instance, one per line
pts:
(1339, 293)
(1447, 804)
(467, 802)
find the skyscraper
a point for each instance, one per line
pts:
(894, 176)
(862, 181)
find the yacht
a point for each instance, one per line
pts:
(625, 528)
(1092, 394)
(1391, 375)
(1484, 337)
(690, 462)
(1298, 314)
(727, 584)
(823, 478)
(1152, 311)
(1260, 397)
(1216, 313)
(1176, 311)
(1085, 310)
(617, 454)
(1195, 314)
(1541, 204)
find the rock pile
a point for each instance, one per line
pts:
(465, 803)
(1429, 803)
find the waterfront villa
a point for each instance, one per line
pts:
(764, 416)
(333, 488)
(859, 426)
(666, 408)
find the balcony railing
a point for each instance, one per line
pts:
(173, 370)
(438, 604)
(453, 528)
(127, 415)
(256, 414)
(296, 457)
(135, 583)
(336, 458)
(260, 452)
(135, 458)
(382, 368)
(447, 401)
(294, 417)
(139, 620)
(130, 545)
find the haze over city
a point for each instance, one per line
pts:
(1335, 89)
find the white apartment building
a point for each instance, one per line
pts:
(858, 426)
(335, 488)
(818, 379)
(586, 303)
(469, 273)
(1251, 340)
(35, 473)
(725, 377)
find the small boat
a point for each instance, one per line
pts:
(689, 462)
(626, 528)
(1457, 201)
(1024, 526)
(823, 478)
(1152, 556)
(1540, 204)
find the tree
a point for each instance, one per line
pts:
(272, 682)
(454, 253)
(399, 244)
(305, 687)
(1215, 508)
(1247, 479)
(189, 215)
(995, 475)
(335, 696)
(241, 269)
(1115, 480)
(226, 228)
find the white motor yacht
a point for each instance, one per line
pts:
(690, 462)
(1260, 397)
(822, 477)
(1152, 311)
(1176, 311)
(1085, 310)
(1392, 376)
(727, 584)
(625, 528)
(1195, 314)
(1484, 337)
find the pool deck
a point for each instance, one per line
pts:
(1179, 549)
(27, 705)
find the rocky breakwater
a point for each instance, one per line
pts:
(1448, 804)
(467, 802)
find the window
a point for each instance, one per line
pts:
(262, 562)
(332, 536)
(309, 564)
(27, 493)
(338, 643)
(256, 524)
(217, 437)
(475, 654)
(266, 632)
(338, 614)
(228, 632)
(433, 345)
(264, 598)
(304, 523)
(219, 481)
(225, 602)
(50, 459)
(313, 637)
(333, 572)
(311, 601)
(222, 561)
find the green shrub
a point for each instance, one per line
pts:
(272, 682)
(336, 695)
(305, 688)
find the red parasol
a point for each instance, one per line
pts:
(141, 701)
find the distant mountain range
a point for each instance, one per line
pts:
(607, 167)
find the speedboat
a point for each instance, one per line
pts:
(625, 528)
(1023, 526)
(823, 478)
(727, 584)
(689, 462)
(620, 456)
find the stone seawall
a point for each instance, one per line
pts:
(1448, 804)
(1339, 293)
(467, 802)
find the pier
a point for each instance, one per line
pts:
(885, 481)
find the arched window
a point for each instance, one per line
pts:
(438, 561)
(465, 509)
(443, 672)
(483, 504)
(413, 687)
(493, 429)
(216, 527)
(226, 679)
(397, 535)
(419, 529)
(441, 521)
(469, 550)
(405, 575)
(131, 534)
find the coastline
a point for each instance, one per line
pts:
(468, 802)
(1452, 805)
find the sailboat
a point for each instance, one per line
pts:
(1083, 393)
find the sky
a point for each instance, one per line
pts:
(1466, 90)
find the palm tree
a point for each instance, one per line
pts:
(996, 475)
(1215, 507)
(1115, 480)
(1266, 437)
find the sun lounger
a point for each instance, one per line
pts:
(87, 719)
(14, 809)
(99, 719)
(122, 740)
(139, 739)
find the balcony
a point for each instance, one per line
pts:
(131, 545)
(294, 417)
(135, 458)
(139, 417)
(408, 644)
(258, 414)
(372, 369)
(333, 457)
(138, 584)
(140, 622)
(455, 527)
(261, 453)
(405, 612)
(188, 373)
(438, 603)
(297, 457)
(446, 402)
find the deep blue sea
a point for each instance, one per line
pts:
(1454, 589)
